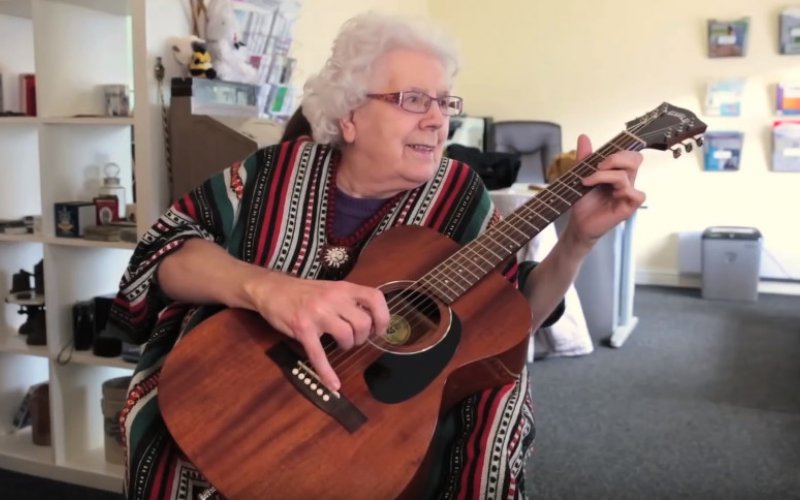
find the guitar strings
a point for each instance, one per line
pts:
(553, 189)
(342, 360)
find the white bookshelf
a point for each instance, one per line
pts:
(87, 358)
(12, 342)
(74, 47)
(31, 238)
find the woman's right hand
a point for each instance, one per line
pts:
(305, 309)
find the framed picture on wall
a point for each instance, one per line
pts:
(727, 38)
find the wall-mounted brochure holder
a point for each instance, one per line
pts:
(786, 146)
(789, 42)
(723, 151)
(727, 38)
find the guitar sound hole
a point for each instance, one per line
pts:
(416, 321)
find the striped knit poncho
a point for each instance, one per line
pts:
(271, 210)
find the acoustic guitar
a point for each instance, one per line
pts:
(246, 407)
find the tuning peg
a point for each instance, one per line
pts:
(699, 141)
(676, 152)
(688, 146)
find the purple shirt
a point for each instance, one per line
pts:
(352, 212)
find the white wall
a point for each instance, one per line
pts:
(320, 21)
(591, 66)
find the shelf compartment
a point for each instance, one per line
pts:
(20, 195)
(87, 120)
(87, 358)
(61, 90)
(16, 58)
(80, 242)
(76, 393)
(19, 120)
(107, 476)
(17, 452)
(22, 238)
(18, 372)
(15, 343)
(114, 7)
(72, 165)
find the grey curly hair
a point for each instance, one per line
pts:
(341, 86)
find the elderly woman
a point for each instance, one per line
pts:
(378, 113)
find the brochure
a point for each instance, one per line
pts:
(723, 150)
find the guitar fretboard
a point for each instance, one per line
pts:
(459, 272)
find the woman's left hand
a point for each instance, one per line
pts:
(613, 201)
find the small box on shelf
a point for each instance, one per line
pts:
(72, 218)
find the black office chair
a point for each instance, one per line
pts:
(537, 143)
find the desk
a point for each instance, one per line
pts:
(569, 336)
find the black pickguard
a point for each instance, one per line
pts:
(395, 378)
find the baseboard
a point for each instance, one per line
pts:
(694, 281)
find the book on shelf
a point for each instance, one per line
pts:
(787, 97)
(723, 150)
(27, 94)
(786, 146)
(790, 31)
(724, 97)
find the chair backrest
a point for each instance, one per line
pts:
(537, 143)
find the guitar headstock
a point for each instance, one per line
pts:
(666, 126)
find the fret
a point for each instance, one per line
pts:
(485, 242)
(525, 219)
(570, 188)
(502, 234)
(443, 294)
(518, 230)
(462, 266)
(553, 192)
(426, 284)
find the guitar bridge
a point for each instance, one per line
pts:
(307, 383)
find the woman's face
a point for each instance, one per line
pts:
(402, 149)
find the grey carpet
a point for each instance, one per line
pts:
(701, 402)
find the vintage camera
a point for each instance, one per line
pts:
(89, 318)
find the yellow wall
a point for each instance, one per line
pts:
(591, 66)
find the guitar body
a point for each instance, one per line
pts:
(238, 416)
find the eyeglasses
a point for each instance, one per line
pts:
(414, 101)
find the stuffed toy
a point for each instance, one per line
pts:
(181, 47)
(191, 53)
(561, 164)
(230, 59)
(200, 65)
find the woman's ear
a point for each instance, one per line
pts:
(348, 127)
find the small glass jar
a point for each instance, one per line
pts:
(112, 187)
(118, 102)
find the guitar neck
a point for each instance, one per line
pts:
(459, 272)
